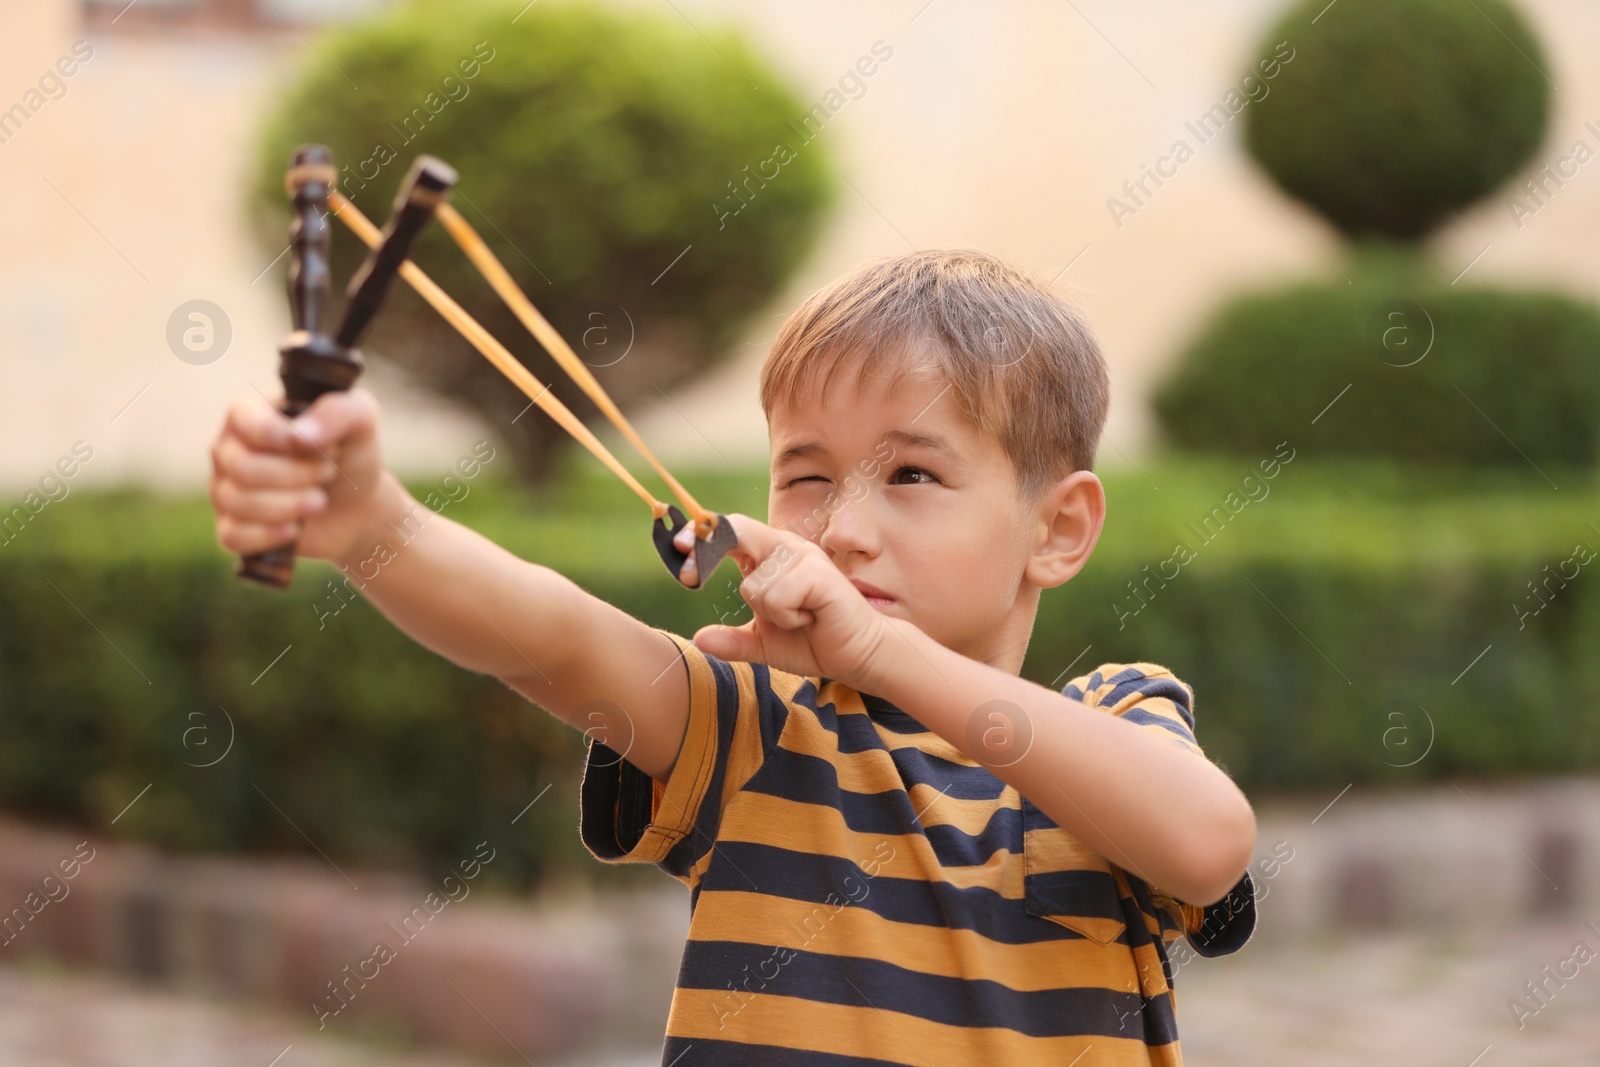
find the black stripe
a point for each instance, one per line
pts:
(912, 767)
(1074, 892)
(1093, 682)
(1150, 718)
(805, 779)
(891, 716)
(1133, 680)
(773, 710)
(820, 880)
(1073, 1011)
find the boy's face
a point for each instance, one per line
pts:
(935, 525)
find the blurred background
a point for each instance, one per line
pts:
(1340, 259)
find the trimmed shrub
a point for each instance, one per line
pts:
(597, 149)
(380, 752)
(1396, 114)
(1422, 371)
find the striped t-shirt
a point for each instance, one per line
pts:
(861, 892)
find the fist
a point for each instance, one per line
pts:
(315, 480)
(808, 618)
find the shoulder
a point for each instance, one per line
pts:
(1121, 687)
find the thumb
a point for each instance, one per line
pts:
(335, 416)
(734, 643)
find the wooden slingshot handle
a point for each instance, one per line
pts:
(314, 363)
(311, 362)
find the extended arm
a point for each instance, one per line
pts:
(320, 480)
(585, 661)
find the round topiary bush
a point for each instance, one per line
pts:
(1413, 369)
(641, 181)
(1396, 114)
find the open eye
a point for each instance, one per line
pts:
(931, 478)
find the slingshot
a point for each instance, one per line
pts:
(313, 362)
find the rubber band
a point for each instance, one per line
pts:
(500, 279)
(492, 350)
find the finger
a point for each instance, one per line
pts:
(779, 590)
(234, 460)
(254, 420)
(267, 505)
(733, 643)
(779, 602)
(335, 417)
(757, 542)
(249, 538)
(689, 573)
(756, 539)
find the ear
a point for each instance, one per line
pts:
(1069, 518)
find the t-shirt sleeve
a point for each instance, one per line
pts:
(1142, 693)
(1220, 928)
(626, 816)
(1150, 696)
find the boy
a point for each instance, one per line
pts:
(893, 843)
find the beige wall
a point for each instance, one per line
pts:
(1003, 127)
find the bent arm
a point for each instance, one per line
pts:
(1152, 806)
(585, 661)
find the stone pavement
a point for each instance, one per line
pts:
(50, 1018)
(1395, 998)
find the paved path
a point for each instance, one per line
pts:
(50, 1018)
(1401, 999)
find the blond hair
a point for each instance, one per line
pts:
(1022, 365)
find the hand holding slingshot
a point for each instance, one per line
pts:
(313, 362)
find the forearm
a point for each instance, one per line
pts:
(458, 593)
(1153, 807)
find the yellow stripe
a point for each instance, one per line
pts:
(745, 755)
(672, 810)
(1053, 849)
(874, 771)
(861, 933)
(821, 830)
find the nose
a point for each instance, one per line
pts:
(850, 523)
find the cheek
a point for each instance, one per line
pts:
(786, 512)
(804, 509)
(977, 561)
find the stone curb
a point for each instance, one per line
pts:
(1464, 856)
(474, 974)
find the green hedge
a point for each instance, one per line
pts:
(1436, 373)
(1393, 115)
(1389, 585)
(597, 148)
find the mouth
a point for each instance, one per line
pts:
(875, 596)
